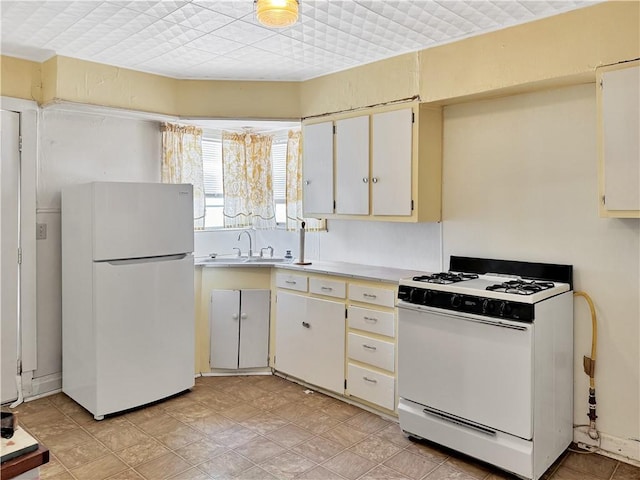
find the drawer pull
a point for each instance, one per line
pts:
(369, 347)
(370, 319)
(306, 325)
(328, 289)
(371, 380)
(290, 282)
(369, 295)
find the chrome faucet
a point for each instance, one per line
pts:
(270, 248)
(250, 244)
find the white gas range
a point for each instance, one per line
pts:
(485, 361)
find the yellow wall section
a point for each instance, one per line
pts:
(235, 99)
(379, 82)
(570, 45)
(20, 78)
(96, 84)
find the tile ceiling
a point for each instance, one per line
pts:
(204, 39)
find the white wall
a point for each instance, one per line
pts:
(520, 182)
(75, 148)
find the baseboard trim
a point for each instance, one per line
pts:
(44, 386)
(624, 450)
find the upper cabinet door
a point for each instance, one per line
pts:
(317, 168)
(352, 166)
(619, 124)
(391, 134)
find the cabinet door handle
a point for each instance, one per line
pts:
(328, 289)
(243, 316)
(306, 325)
(372, 380)
(374, 180)
(369, 295)
(307, 182)
(234, 316)
(365, 180)
(370, 319)
(369, 347)
(290, 282)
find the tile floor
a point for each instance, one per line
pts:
(260, 427)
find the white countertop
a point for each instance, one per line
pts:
(343, 269)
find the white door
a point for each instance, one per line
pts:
(352, 166)
(391, 137)
(254, 328)
(468, 367)
(317, 168)
(224, 320)
(292, 344)
(326, 331)
(10, 181)
(134, 220)
(144, 331)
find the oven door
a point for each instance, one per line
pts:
(467, 369)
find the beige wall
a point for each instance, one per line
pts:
(385, 81)
(20, 78)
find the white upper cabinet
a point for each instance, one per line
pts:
(391, 138)
(388, 164)
(317, 169)
(352, 166)
(619, 144)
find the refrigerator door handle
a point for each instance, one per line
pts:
(135, 261)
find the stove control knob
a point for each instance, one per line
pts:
(456, 300)
(415, 296)
(488, 306)
(504, 309)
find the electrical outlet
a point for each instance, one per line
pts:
(41, 231)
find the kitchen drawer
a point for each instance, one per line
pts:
(371, 386)
(292, 282)
(385, 297)
(374, 321)
(330, 288)
(372, 351)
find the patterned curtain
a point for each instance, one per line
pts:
(294, 188)
(182, 163)
(247, 181)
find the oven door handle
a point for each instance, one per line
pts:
(462, 316)
(447, 417)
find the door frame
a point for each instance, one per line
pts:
(28, 111)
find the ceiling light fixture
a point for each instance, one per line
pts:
(277, 13)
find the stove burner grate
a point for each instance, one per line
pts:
(521, 287)
(445, 277)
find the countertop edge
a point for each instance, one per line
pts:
(342, 269)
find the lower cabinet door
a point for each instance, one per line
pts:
(225, 326)
(310, 340)
(326, 331)
(292, 340)
(254, 329)
(371, 386)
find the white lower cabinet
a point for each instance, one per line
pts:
(239, 321)
(310, 340)
(372, 386)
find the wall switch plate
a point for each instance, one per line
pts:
(41, 231)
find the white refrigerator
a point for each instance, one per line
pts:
(127, 294)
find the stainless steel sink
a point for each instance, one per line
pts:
(223, 259)
(265, 260)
